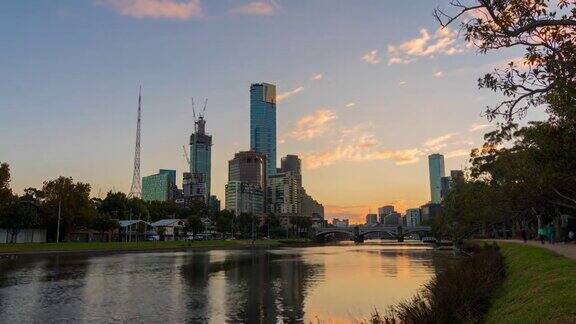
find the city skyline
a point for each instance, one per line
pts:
(334, 111)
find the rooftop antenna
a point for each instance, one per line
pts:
(136, 189)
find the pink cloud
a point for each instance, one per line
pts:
(255, 8)
(371, 57)
(313, 125)
(166, 9)
(285, 95)
(425, 45)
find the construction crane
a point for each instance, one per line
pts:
(186, 156)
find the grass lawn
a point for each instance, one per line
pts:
(540, 287)
(147, 245)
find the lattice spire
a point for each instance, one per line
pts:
(136, 189)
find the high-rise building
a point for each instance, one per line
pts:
(248, 167)
(383, 212)
(284, 194)
(445, 185)
(413, 217)
(392, 219)
(429, 211)
(371, 219)
(292, 163)
(244, 198)
(160, 186)
(311, 208)
(199, 179)
(263, 122)
(436, 169)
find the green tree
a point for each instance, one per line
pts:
(74, 200)
(246, 225)
(6, 195)
(103, 223)
(194, 224)
(224, 221)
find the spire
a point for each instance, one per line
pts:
(136, 189)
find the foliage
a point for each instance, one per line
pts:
(546, 29)
(460, 294)
(5, 191)
(194, 224)
(246, 225)
(224, 221)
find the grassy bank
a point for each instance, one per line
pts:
(540, 287)
(148, 245)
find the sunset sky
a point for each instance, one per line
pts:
(367, 89)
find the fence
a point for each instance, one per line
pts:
(23, 236)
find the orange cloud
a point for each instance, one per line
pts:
(458, 153)
(358, 152)
(478, 127)
(371, 57)
(255, 8)
(350, 105)
(167, 9)
(313, 125)
(443, 42)
(439, 141)
(285, 95)
(317, 77)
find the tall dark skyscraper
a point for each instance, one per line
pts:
(263, 122)
(200, 162)
(436, 168)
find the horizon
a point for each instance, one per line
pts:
(362, 111)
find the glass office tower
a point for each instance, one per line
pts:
(263, 123)
(436, 168)
(200, 163)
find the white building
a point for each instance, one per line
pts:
(243, 197)
(413, 217)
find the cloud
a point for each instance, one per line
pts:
(358, 144)
(401, 83)
(442, 42)
(438, 141)
(458, 153)
(371, 57)
(285, 95)
(317, 77)
(313, 125)
(166, 9)
(255, 8)
(439, 74)
(478, 127)
(350, 105)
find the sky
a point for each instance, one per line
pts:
(366, 90)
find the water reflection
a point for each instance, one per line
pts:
(331, 283)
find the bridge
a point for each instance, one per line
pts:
(359, 232)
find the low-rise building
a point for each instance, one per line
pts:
(340, 222)
(173, 229)
(413, 217)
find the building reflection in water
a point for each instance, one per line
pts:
(331, 284)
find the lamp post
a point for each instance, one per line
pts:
(58, 228)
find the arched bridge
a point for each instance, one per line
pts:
(359, 232)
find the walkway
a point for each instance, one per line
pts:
(567, 250)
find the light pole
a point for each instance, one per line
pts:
(58, 228)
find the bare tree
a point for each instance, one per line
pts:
(547, 31)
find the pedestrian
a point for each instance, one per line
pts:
(570, 236)
(524, 235)
(542, 234)
(551, 233)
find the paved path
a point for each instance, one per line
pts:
(567, 250)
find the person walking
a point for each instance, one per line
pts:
(570, 236)
(551, 233)
(541, 234)
(524, 234)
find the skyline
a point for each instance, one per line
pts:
(363, 118)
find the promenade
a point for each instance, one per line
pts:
(566, 249)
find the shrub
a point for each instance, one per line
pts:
(462, 293)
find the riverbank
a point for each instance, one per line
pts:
(540, 286)
(145, 246)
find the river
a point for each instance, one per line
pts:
(332, 284)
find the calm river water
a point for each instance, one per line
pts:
(333, 284)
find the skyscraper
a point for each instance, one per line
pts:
(436, 168)
(160, 186)
(248, 167)
(200, 162)
(263, 122)
(292, 163)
